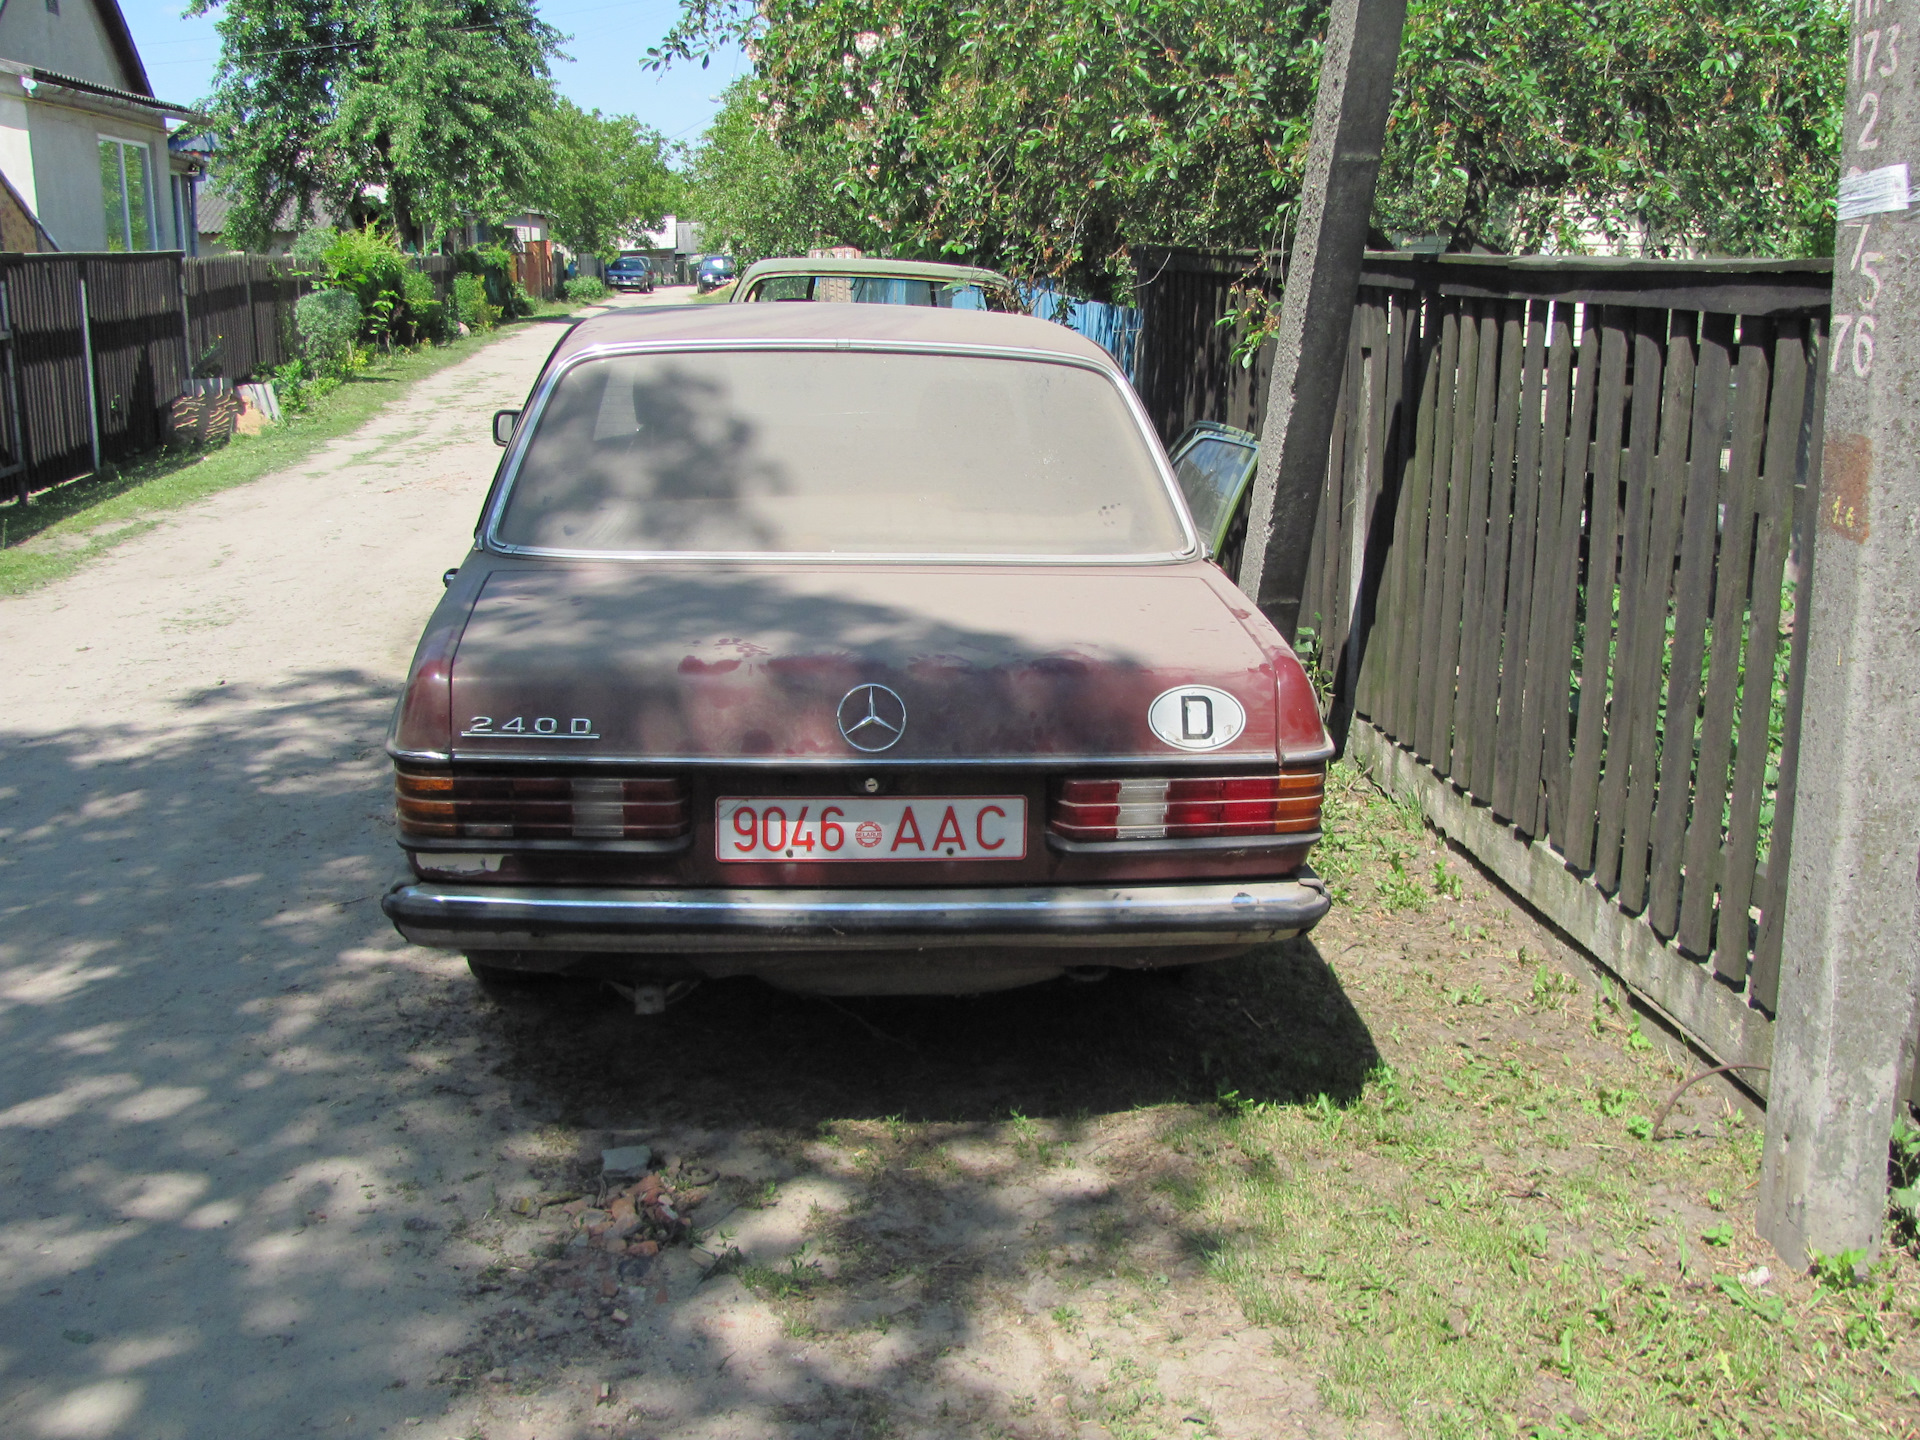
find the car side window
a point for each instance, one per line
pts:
(1209, 472)
(783, 287)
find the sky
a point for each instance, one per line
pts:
(607, 40)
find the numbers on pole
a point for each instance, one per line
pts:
(1874, 58)
(1861, 328)
(1866, 50)
(1869, 107)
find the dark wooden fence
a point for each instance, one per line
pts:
(48, 360)
(135, 327)
(95, 348)
(1184, 366)
(240, 314)
(1554, 581)
(95, 357)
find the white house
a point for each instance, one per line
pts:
(83, 141)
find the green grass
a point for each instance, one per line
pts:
(65, 527)
(1436, 1293)
(1369, 835)
(1486, 1241)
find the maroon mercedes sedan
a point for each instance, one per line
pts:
(865, 649)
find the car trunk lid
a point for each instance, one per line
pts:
(671, 661)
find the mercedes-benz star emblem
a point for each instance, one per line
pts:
(872, 717)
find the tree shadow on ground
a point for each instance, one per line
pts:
(249, 1133)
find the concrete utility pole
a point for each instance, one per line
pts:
(1316, 310)
(1851, 958)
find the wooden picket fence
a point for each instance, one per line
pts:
(1554, 582)
(95, 352)
(95, 348)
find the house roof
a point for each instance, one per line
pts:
(143, 99)
(812, 324)
(213, 205)
(121, 38)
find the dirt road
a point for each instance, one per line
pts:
(265, 1170)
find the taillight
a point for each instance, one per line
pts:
(1200, 809)
(538, 807)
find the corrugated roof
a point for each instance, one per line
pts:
(213, 205)
(143, 98)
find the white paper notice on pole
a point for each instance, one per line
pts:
(1874, 192)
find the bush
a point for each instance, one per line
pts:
(470, 298)
(327, 322)
(426, 312)
(298, 387)
(309, 249)
(369, 263)
(584, 290)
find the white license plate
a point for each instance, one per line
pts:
(825, 827)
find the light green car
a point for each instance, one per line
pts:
(874, 282)
(1214, 464)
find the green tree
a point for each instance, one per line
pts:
(423, 109)
(1049, 139)
(1710, 127)
(600, 176)
(756, 196)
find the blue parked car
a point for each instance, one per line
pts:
(631, 272)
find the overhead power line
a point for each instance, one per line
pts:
(351, 44)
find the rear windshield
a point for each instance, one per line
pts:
(870, 290)
(838, 452)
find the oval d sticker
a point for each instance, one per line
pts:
(1196, 717)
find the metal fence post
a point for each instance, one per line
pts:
(1316, 308)
(186, 326)
(86, 353)
(1852, 940)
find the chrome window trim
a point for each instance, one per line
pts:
(536, 408)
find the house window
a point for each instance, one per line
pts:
(126, 195)
(184, 238)
(53, 7)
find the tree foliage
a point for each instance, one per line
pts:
(600, 176)
(425, 109)
(1710, 127)
(756, 196)
(1050, 138)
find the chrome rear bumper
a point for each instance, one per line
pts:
(509, 918)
